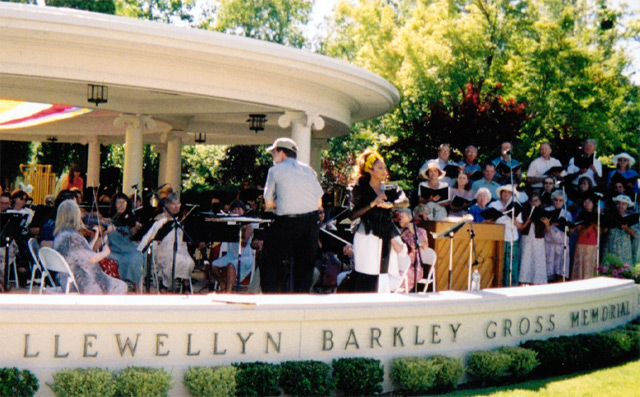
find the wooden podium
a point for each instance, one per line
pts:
(489, 241)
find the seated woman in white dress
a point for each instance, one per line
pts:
(164, 230)
(82, 260)
(229, 259)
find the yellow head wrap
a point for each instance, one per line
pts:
(371, 159)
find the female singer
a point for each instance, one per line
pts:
(585, 256)
(124, 251)
(433, 205)
(462, 189)
(557, 256)
(80, 255)
(533, 269)
(376, 238)
(483, 198)
(511, 242)
(623, 173)
(619, 240)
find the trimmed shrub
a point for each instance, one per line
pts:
(211, 381)
(523, 361)
(448, 373)
(14, 382)
(306, 378)
(560, 355)
(257, 379)
(413, 376)
(488, 366)
(143, 382)
(358, 376)
(84, 382)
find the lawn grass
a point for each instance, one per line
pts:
(622, 381)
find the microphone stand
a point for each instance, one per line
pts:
(566, 230)
(513, 216)
(598, 237)
(472, 251)
(419, 255)
(176, 225)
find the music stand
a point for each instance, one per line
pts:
(231, 231)
(9, 227)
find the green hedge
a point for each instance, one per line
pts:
(488, 367)
(358, 376)
(306, 378)
(84, 382)
(448, 374)
(257, 379)
(143, 382)
(14, 382)
(523, 361)
(211, 381)
(563, 355)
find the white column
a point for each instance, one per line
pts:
(301, 124)
(173, 165)
(93, 162)
(317, 145)
(161, 149)
(132, 151)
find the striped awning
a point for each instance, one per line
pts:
(17, 114)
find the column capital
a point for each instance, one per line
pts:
(139, 121)
(307, 118)
(173, 135)
(93, 139)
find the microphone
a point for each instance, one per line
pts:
(192, 205)
(507, 152)
(450, 231)
(134, 186)
(598, 194)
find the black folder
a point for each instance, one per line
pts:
(504, 169)
(460, 202)
(554, 170)
(427, 193)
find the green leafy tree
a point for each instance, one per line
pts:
(558, 59)
(169, 11)
(278, 21)
(103, 6)
(244, 162)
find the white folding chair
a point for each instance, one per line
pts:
(404, 266)
(52, 260)
(34, 248)
(429, 257)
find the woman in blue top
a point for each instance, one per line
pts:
(623, 173)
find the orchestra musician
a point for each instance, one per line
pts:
(123, 250)
(80, 255)
(163, 230)
(223, 269)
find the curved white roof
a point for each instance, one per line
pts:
(193, 80)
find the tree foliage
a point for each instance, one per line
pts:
(553, 61)
(278, 21)
(169, 11)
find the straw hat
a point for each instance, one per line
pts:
(508, 188)
(431, 164)
(624, 155)
(283, 143)
(623, 198)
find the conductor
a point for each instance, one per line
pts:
(293, 191)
